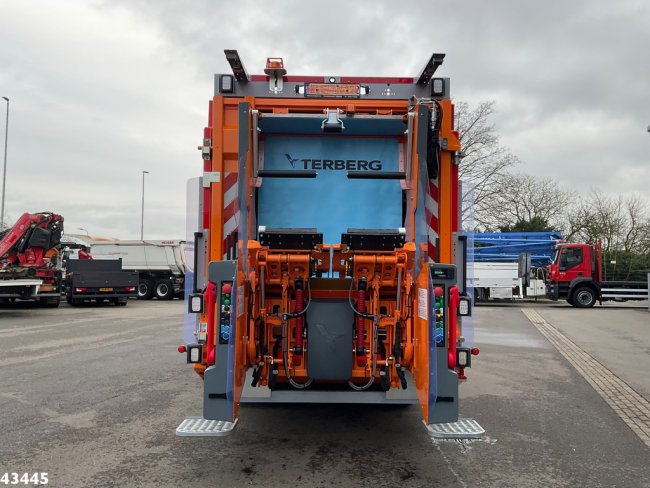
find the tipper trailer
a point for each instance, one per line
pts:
(576, 275)
(160, 264)
(327, 261)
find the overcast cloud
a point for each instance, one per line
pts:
(101, 90)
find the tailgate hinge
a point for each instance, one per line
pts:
(210, 177)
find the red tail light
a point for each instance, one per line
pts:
(130, 288)
(81, 290)
(181, 349)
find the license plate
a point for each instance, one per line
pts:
(105, 289)
(337, 90)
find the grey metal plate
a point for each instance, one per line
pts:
(262, 394)
(310, 396)
(330, 339)
(462, 429)
(200, 427)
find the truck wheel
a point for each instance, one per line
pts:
(145, 289)
(584, 297)
(164, 290)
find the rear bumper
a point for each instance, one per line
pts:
(22, 291)
(49, 294)
(94, 296)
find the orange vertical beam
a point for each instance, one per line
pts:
(445, 207)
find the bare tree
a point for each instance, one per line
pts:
(483, 158)
(621, 222)
(519, 199)
(617, 220)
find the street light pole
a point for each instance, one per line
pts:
(4, 171)
(142, 213)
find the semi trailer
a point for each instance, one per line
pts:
(159, 263)
(327, 261)
(576, 275)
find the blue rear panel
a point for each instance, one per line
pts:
(330, 202)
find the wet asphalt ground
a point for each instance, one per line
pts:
(92, 396)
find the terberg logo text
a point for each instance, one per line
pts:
(335, 164)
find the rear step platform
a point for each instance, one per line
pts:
(461, 429)
(200, 427)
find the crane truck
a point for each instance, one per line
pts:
(29, 264)
(499, 270)
(576, 275)
(328, 266)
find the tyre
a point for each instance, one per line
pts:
(570, 301)
(145, 289)
(50, 302)
(164, 290)
(583, 297)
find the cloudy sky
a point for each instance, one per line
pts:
(101, 90)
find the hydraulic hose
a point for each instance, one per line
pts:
(300, 322)
(285, 360)
(374, 362)
(364, 315)
(375, 319)
(298, 314)
(361, 322)
(302, 312)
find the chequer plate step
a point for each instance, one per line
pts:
(461, 429)
(200, 427)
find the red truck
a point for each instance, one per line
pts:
(29, 260)
(576, 275)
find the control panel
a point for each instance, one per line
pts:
(439, 314)
(443, 276)
(225, 308)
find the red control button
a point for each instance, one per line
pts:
(226, 288)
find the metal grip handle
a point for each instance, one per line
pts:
(195, 278)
